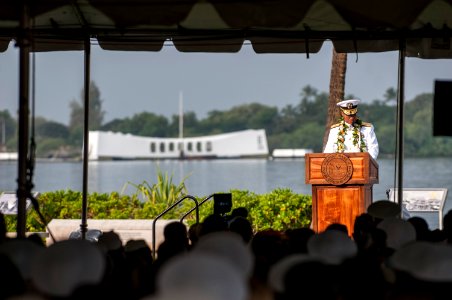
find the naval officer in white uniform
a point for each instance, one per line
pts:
(351, 134)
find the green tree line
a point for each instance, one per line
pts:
(293, 126)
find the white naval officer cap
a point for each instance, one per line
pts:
(349, 107)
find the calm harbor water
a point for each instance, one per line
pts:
(205, 177)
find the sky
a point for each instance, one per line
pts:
(134, 82)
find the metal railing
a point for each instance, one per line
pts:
(191, 210)
(167, 210)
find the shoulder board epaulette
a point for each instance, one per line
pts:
(335, 125)
(366, 124)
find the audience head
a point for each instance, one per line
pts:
(13, 284)
(242, 226)
(269, 244)
(66, 266)
(175, 242)
(398, 232)
(213, 223)
(421, 227)
(424, 260)
(338, 226)
(22, 252)
(382, 209)
(278, 271)
(176, 232)
(109, 241)
(37, 239)
(447, 226)
(200, 275)
(3, 229)
(297, 239)
(194, 232)
(423, 270)
(320, 278)
(138, 249)
(362, 230)
(332, 247)
(239, 212)
(230, 247)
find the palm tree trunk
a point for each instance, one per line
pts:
(337, 86)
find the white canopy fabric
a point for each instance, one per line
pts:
(272, 26)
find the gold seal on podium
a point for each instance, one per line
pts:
(337, 168)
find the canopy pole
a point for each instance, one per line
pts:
(84, 225)
(400, 121)
(24, 86)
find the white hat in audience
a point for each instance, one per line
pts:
(275, 279)
(66, 265)
(230, 246)
(382, 209)
(22, 253)
(204, 275)
(332, 246)
(426, 261)
(398, 232)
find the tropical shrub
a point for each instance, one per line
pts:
(281, 209)
(68, 205)
(163, 192)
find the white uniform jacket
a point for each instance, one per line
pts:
(367, 132)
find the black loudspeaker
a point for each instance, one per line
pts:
(222, 203)
(442, 108)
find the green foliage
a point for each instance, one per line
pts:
(47, 146)
(50, 129)
(161, 195)
(53, 205)
(281, 209)
(96, 114)
(302, 137)
(191, 125)
(300, 125)
(76, 137)
(77, 117)
(8, 127)
(390, 95)
(143, 124)
(313, 106)
(240, 117)
(165, 191)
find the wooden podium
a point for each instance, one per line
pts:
(341, 187)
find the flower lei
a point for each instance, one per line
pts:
(358, 137)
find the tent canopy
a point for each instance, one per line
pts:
(272, 26)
